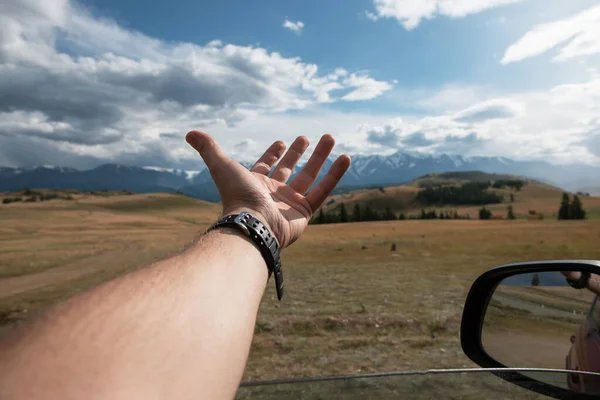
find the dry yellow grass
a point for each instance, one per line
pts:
(351, 305)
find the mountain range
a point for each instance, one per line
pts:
(366, 171)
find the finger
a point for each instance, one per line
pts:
(267, 160)
(311, 170)
(288, 162)
(317, 196)
(209, 150)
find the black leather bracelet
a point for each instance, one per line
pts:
(262, 238)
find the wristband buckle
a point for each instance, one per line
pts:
(240, 221)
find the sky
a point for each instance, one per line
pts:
(93, 81)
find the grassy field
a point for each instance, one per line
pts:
(351, 305)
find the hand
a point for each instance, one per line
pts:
(571, 275)
(285, 209)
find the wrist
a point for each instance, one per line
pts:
(261, 237)
(235, 242)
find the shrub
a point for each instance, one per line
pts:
(510, 213)
(484, 213)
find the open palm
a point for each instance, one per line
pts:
(284, 208)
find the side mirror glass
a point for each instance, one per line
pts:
(539, 316)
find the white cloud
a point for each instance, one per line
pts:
(365, 87)
(410, 13)
(558, 125)
(492, 109)
(447, 97)
(122, 89)
(297, 26)
(371, 16)
(122, 96)
(579, 35)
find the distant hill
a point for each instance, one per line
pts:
(459, 177)
(534, 196)
(592, 190)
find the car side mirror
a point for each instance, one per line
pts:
(542, 318)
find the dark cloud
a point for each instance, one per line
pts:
(62, 97)
(592, 143)
(470, 138)
(68, 135)
(386, 138)
(75, 108)
(461, 144)
(17, 151)
(22, 150)
(416, 139)
(170, 135)
(179, 84)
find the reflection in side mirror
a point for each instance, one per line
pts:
(537, 320)
(538, 316)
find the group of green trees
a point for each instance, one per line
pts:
(35, 198)
(568, 210)
(471, 193)
(32, 196)
(341, 214)
(484, 213)
(571, 209)
(360, 213)
(515, 184)
(442, 214)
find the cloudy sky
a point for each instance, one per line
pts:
(87, 82)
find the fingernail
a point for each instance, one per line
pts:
(192, 139)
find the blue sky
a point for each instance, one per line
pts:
(122, 81)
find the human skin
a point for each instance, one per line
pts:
(180, 328)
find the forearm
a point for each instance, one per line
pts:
(594, 284)
(178, 328)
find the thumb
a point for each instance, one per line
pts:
(209, 150)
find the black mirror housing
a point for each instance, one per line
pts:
(475, 309)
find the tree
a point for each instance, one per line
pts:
(518, 185)
(510, 214)
(333, 217)
(357, 214)
(576, 210)
(343, 214)
(512, 197)
(564, 210)
(369, 214)
(321, 219)
(389, 214)
(484, 213)
(467, 193)
(535, 280)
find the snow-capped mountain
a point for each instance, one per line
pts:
(370, 170)
(403, 167)
(106, 176)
